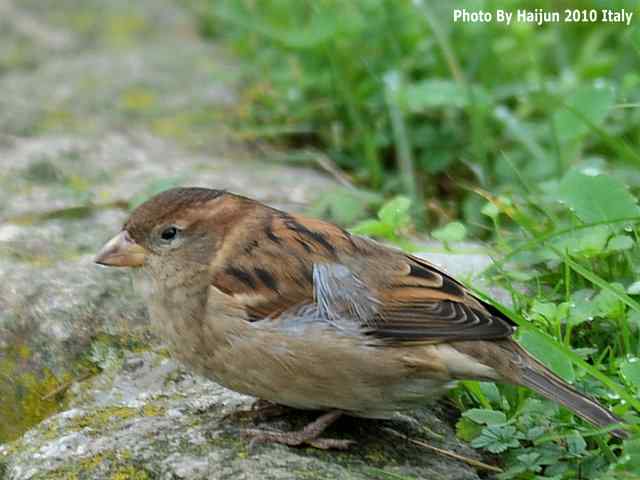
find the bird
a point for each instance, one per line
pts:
(300, 313)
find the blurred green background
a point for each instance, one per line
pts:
(410, 102)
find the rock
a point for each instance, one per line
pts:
(96, 118)
(147, 418)
(49, 317)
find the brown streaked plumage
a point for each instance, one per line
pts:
(299, 312)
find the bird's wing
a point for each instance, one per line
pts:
(421, 303)
(308, 266)
(271, 272)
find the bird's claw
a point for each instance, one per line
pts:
(309, 435)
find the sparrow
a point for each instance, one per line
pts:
(300, 313)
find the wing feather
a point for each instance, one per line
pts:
(337, 277)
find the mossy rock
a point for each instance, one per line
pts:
(151, 419)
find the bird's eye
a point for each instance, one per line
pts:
(169, 233)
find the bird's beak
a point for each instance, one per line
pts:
(121, 251)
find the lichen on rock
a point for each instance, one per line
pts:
(152, 419)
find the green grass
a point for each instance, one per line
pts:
(523, 136)
(573, 274)
(410, 103)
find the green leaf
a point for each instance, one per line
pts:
(396, 212)
(475, 389)
(576, 444)
(546, 310)
(534, 433)
(434, 93)
(393, 216)
(530, 461)
(582, 307)
(550, 453)
(587, 242)
(490, 390)
(452, 232)
(590, 242)
(536, 407)
(467, 429)
(486, 416)
(374, 228)
(620, 243)
(545, 349)
(490, 210)
(608, 303)
(630, 371)
(441, 93)
(599, 198)
(592, 102)
(497, 438)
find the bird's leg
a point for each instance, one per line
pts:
(309, 435)
(260, 409)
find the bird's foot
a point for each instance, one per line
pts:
(259, 410)
(309, 435)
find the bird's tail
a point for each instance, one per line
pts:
(540, 379)
(529, 372)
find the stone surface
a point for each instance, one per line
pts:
(97, 114)
(144, 417)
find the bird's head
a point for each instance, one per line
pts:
(181, 226)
